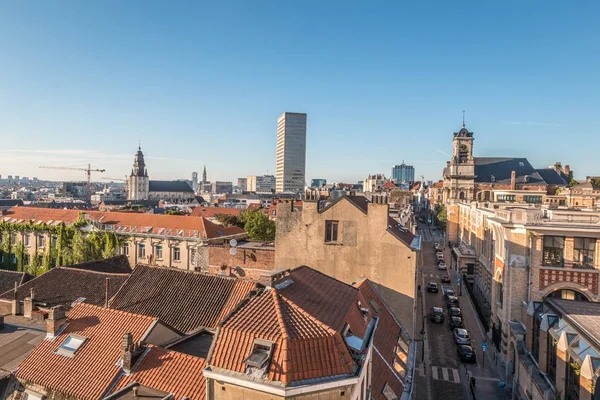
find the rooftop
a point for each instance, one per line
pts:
(9, 278)
(184, 300)
(15, 343)
(211, 212)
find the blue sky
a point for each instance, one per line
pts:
(203, 83)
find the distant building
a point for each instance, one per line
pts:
(195, 181)
(403, 173)
(318, 182)
(222, 187)
(373, 183)
(242, 183)
(140, 187)
(263, 184)
(291, 152)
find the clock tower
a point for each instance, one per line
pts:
(459, 174)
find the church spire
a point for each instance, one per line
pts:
(139, 166)
(204, 180)
(463, 118)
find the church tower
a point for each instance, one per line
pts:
(138, 184)
(459, 174)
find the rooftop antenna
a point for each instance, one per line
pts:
(463, 118)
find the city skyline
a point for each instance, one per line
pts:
(396, 90)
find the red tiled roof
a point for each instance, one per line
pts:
(386, 338)
(210, 212)
(303, 319)
(438, 185)
(174, 225)
(184, 300)
(170, 371)
(90, 372)
(389, 185)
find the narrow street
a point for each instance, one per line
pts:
(441, 375)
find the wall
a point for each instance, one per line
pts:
(366, 250)
(225, 391)
(246, 263)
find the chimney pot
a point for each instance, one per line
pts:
(513, 180)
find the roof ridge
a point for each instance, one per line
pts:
(309, 315)
(195, 273)
(322, 273)
(286, 362)
(114, 310)
(12, 272)
(69, 268)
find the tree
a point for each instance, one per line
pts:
(258, 225)
(441, 216)
(80, 252)
(229, 220)
(110, 245)
(48, 261)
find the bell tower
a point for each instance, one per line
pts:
(138, 183)
(459, 174)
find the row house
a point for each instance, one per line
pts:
(163, 240)
(518, 253)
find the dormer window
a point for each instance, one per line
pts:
(260, 355)
(70, 345)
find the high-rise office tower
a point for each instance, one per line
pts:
(195, 181)
(403, 173)
(291, 152)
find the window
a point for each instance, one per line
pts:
(54, 242)
(26, 240)
(125, 249)
(509, 198)
(532, 199)
(388, 393)
(553, 251)
(141, 250)
(584, 251)
(40, 260)
(41, 241)
(158, 252)
(70, 346)
(260, 354)
(33, 396)
(331, 231)
(13, 238)
(176, 254)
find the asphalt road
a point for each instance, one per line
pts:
(442, 371)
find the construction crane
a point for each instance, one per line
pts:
(115, 179)
(88, 170)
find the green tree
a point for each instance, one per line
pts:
(80, 251)
(229, 220)
(110, 244)
(21, 257)
(61, 240)
(48, 261)
(258, 225)
(441, 216)
(34, 265)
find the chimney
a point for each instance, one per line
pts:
(16, 304)
(127, 352)
(513, 180)
(567, 170)
(28, 305)
(56, 321)
(378, 210)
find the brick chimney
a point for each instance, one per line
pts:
(513, 180)
(378, 210)
(567, 170)
(130, 352)
(56, 321)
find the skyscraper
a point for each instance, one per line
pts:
(195, 181)
(291, 152)
(403, 173)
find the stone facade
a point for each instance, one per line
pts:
(364, 249)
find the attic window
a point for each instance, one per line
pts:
(260, 355)
(388, 393)
(374, 306)
(521, 164)
(70, 346)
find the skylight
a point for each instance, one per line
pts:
(70, 346)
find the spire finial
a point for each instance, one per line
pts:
(463, 118)
(139, 145)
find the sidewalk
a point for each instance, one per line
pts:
(487, 373)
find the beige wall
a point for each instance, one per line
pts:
(366, 250)
(225, 391)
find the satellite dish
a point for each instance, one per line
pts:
(233, 242)
(232, 251)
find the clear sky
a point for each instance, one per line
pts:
(204, 82)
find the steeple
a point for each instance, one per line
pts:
(139, 166)
(204, 180)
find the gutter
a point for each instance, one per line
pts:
(278, 391)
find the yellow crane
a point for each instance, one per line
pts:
(87, 170)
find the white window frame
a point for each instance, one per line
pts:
(158, 252)
(176, 254)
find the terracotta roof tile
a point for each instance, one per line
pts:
(184, 300)
(404, 235)
(210, 212)
(9, 278)
(389, 185)
(112, 265)
(304, 319)
(170, 371)
(90, 372)
(131, 222)
(63, 285)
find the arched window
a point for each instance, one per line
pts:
(461, 195)
(568, 294)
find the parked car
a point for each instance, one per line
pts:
(436, 314)
(440, 261)
(451, 301)
(437, 247)
(432, 287)
(454, 312)
(455, 322)
(466, 353)
(446, 279)
(449, 292)
(442, 267)
(461, 336)
(439, 256)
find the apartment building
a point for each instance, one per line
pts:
(162, 240)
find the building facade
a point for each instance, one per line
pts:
(351, 239)
(318, 183)
(374, 183)
(140, 187)
(242, 183)
(403, 173)
(261, 183)
(219, 187)
(291, 152)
